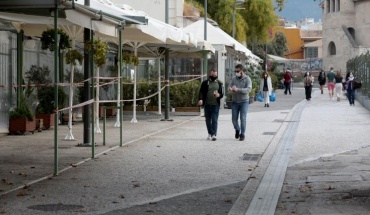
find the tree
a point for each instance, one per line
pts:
(260, 17)
(251, 23)
(279, 44)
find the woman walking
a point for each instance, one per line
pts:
(307, 82)
(338, 85)
(266, 87)
(350, 89)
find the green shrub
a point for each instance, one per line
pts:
(23, 111)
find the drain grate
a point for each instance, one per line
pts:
(268, 133)
(251, 157)
(55, 207)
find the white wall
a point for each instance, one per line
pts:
(156, 9)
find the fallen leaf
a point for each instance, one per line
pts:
(114, 202)
(228, 200)
(252, 177)
(136, 183)
(43, 195)
(26, 187)
(183, 157)
(4, 180)
(158, 146)
(32, 167)
(20, 194)
(11, 172)
(149, 211)
(330, 188)
(86, 185)
(152, 203)
(73, 165)
(122, 196)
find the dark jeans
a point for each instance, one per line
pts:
(308, 90)
(351, 96)
(211, 115)
(242, 109)
(287, 87)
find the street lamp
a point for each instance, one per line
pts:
(234, 8)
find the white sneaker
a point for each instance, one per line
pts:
(214, 138)
(209, 137)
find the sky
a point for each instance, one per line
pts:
(296, 10)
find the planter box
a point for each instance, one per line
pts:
(110, 112)
(21, 125)
(130, 108)
(48, 120)
(187, 109)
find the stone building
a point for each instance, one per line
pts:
(345, 31)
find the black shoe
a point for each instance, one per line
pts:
(242, 137)
(285, 93)
(268, 105)
(265, 105)
(237, 134)
(290, 93)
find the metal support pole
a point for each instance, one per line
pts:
(205, 54)
(120, 84)
(92, 81)
(56, 77)
(234, 20)
(20, 36)
(104, 122)
(167, 74)
(86, 108)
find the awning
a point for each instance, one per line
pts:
(34, 22)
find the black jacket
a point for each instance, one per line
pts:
(204, 90)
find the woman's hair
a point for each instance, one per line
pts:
(263, 74)
(339, 74)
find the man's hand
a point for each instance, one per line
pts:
(235, 89)
(200, 102)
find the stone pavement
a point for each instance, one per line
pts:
(170, 168)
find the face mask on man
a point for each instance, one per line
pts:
(238, 74)
(213, 78)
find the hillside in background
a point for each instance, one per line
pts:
(296, 10)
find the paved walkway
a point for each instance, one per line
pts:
(170, 167)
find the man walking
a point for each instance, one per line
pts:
(287, 81)
(330, 77)
(240, 86)
(210, 94)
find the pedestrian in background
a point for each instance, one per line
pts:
(338, 85)
(307, 82)
(210, 94)
(350, 89)
(322, 80)
(266, 87)
(330, 79)
(240, 86)
(287, 81)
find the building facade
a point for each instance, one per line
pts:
(345, 31)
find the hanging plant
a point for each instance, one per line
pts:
(47, 40)
(73, 55)
(100, 51)
(129, 58)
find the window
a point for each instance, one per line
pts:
(332, 49)
(328, 6)
(333, 6)
(352, 32)
(338, 5)
(311, 52)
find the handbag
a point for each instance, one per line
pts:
(272, 97)
(357, 84)
(260, 97)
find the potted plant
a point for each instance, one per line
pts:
(21, 119)
(40, 76)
